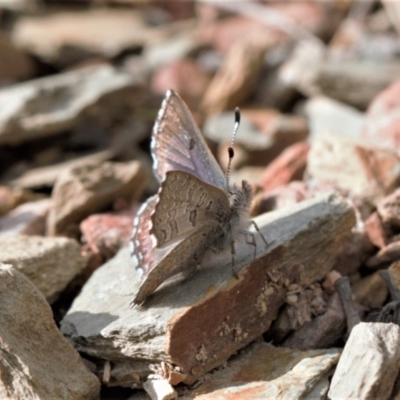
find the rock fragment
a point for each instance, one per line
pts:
(36, 361)
(369, 363)
(198, 325)
(50, 263)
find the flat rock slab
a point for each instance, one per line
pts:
(267, 372)
(50, 263)
(36, 361)
(196, 326)
(369, 364)
(52, 105)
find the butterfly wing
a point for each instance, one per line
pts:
(181, 258)
(177, 144)
(142, 242)
(186, 203)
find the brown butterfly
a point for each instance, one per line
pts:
(195, 210)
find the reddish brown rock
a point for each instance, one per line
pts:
(389, 209)
(376, 231)
(186, 77)
(281, 197)
(105, 234)
(9, 199)
(85, 189)
(382, 125)
(289, 166)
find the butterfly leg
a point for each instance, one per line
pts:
(259, 232)
(233, 252)
(252, 241)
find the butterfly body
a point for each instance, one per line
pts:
(194, 212)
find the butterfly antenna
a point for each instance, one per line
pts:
(230, 148)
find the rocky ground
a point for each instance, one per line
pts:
(316, 315)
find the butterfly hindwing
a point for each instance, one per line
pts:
(185, 203)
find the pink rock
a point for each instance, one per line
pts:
(376, 231)
(186, 77)
(288, 166)
(382, 124)
(107, 233)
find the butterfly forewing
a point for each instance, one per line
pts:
(186, 204)
(177, 144)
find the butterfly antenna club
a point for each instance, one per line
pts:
(231, 152)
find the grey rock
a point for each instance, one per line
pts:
(50, 263)
(51, 105)
(369, 363)
(36, 361)
(196, 326)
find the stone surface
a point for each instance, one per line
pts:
(288, 166)
(262, 371)
(11, 198)
(46, 176)
(53, 37)
(369, 363)
(323, 331)
(14, 65)
(50, 263)
(186, 77)
(54, 104)
(105, 234)
(382, 123)
(26, 219)
(36, 361)
(355, 167)
(330, 116)
(389, 209)
(376, 232)
(370, 291)
(198, 325)
(159, 389)
(89, 188)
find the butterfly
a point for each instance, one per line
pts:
(195, 210)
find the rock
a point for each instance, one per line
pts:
(369, 363)
(328, 116)
(36, 361)
(15, 65)
(53, 37)
(54, 104)
(186, 77)
(198, 325)
(50, 263)
(262, 371)
(105, 234)
(323, 331)
(238, 75)
(288, 166)
(386, 255)
(376, 231)
(383, 118)
(12, 197)
(389, 209)
(89, 188)
(46, 176)
(281, 197)
(350, 81)
(262, 136)
(159, 389)
(371, 291)
(26, 219)
(352, 166)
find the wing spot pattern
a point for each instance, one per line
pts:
(192, 217)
